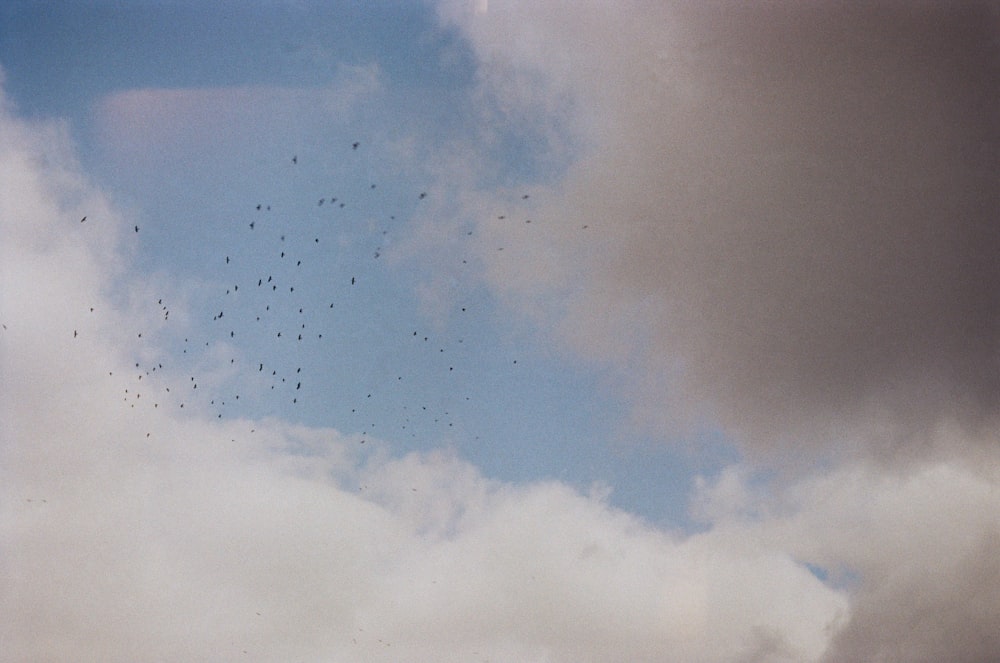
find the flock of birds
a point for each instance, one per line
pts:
(275, 329)
(261, 343)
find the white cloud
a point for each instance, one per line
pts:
(134, 530)
(918, 547)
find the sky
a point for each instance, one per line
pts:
(499, 331)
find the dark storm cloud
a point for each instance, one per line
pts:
(800, 198)
(790, 214)
(908, 621)
(827, 216)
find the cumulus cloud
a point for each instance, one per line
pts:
(133, 529)
(917, 549)
(796, 202)
(780, 218)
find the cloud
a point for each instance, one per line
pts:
(780, 218)
(724, 271)
(790, 210)
(133, 529)
(917, 549)
(156, 124)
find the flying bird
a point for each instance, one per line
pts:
(83, 219)
(354, 146)
(295, 159)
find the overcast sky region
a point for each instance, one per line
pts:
(485, 330)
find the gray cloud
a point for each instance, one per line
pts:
(918, 551)
(781, 218)
(797, 201)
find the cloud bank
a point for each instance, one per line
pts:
(780, 219)
(791, 209)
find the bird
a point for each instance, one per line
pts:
(137, 228)
(354, 146)
(295, 159)
(422, 195)
(83, 219)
